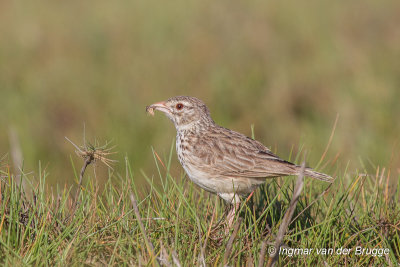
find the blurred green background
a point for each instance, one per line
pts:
(286, 67)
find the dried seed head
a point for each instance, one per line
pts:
(95, 152)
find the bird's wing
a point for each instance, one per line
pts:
(228, 153)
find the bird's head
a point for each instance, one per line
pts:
(183, 111)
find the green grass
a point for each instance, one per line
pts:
(40, 226)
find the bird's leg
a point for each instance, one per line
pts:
(233, 202)
(231, 216)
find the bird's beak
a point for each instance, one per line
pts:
(161, 106)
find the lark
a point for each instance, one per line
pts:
(219, 160)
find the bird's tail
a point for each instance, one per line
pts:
(319, 176)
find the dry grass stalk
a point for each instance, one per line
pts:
(262, 253)
(149, 245)
(286, 219)
(176, 259)
(17, 157)
(229, 245)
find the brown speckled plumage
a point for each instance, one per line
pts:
(220, 160)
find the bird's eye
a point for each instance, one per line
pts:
(179, 106)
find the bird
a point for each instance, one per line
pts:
(220, 160)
